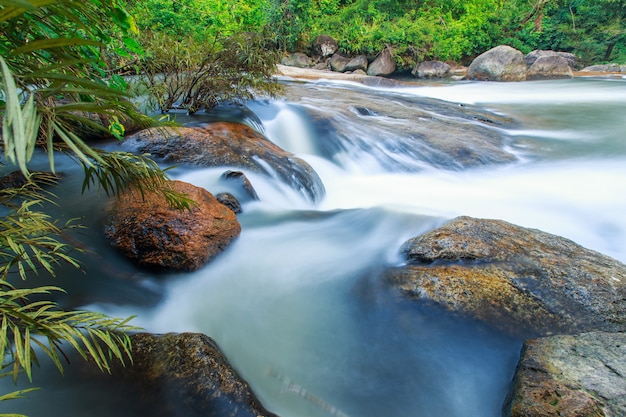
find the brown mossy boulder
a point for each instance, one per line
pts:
(520, 280)
(186, 375)
(572, 376)
(228, 144)
(148, 230)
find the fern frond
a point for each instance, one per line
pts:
(94, 336)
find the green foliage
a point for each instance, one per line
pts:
(198, 76)
(454, 29)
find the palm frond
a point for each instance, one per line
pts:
(26, 324)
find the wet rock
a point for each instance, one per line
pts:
(176, 375)
(407, 132)
(324, 46)
(501, 63)
(573, 376)
(297, 59)
(431, 69)
(238, 178)
(549, 67)
(358, 63)
(147, 230)
(232, 145)
(229, 201)
(519, 280)
(570, 58)
(338, 63)
(383, 64)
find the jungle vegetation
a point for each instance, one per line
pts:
(448, 30)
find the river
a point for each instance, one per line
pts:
(295, 304)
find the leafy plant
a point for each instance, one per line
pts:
(195, 76)
(56, 86)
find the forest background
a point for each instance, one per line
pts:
(446, 30)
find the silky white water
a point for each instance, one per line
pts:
(295, 303)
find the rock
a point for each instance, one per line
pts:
(605, 68)
(549, 67)
(384, 64)
(297, 59)
(501, 63)
(531, 57)
(228, 144)
(324, 46)
(239, 178)
(573, 376)
(338, 63)
(229, 201)
(147, 230)
(519, 280)
(186, 375)
(431, 69)
(357, 63)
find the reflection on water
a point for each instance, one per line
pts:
(295, 302)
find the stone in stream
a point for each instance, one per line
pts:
(523, 281)
(185, 375)
(572, 376)
(146, 229)
(231, 145)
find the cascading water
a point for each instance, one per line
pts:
(294, 302)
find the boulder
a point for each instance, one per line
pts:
(502, 63)
(229, 201)
(228, 144)
(383, 64)
(573, 376)
(520, 280)
(549, 67)
(531, 57)
(297, 59)
(605, 68)
(324, 46)
(431, 69)
(338, 63)
(186, 375)
(144, 227)
(357, 63)
(246, 191)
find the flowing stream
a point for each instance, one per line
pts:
(295, 304)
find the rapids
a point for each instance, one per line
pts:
(294, 303)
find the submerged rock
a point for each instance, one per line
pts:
(402, 132)
(187, 375)
(573, 376)
(147, 230)
(520, 280)
(502, 63)
(228, 144)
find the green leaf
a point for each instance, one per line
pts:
(52, 43)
